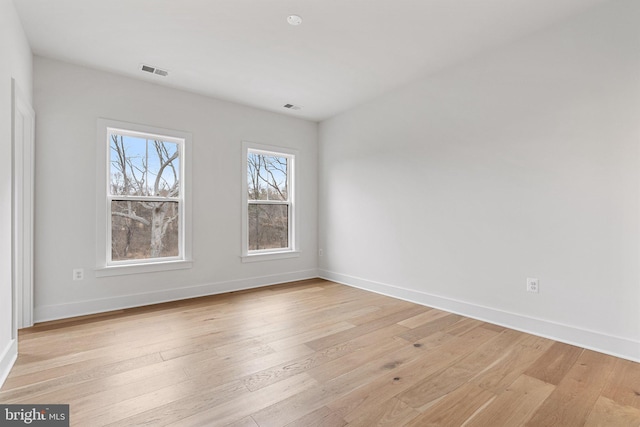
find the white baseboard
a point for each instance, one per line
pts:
(7, 359)
(616, 346)
(81, 308)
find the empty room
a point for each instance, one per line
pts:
(259, 213)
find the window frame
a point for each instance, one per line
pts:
(105, 266)
(270, 254)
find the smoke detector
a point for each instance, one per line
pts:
(154, 70)
(292, 107)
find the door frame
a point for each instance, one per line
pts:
(23, 174)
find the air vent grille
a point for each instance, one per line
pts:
(154, 70)
(292, 107)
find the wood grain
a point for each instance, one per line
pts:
(321, 417)
(314, 353)
(555, 363)
(576, 394)
(515, 405)
(606, 412)
(624, 386)
(455, 408)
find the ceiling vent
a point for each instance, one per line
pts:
(292, 107)
(154, 70)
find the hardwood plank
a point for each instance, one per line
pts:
(90, 400)
(321, 417)
(177, 410)
(463, 326)
(248, 346)
(447, 380)
(442, 351)
(310, 335)
(576, 394)
(624, 385)
(360, 344)
(77, 391)
(296, 406)
(375, 351)
(431, 327)
(606, 412)
(287, 369)
(422, 318)
(104, 415)
(246, 404)
(241, 365)
(492, 327)
(77, 378)
(512, 364)
(455, 408)
(365, 328)
(363, 400)
(391, 413)
(384, 307)
(515, 406)
(245, 422)
(555, 363)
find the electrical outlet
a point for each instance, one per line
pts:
(78, 274)
(532, 285)
(320, 252)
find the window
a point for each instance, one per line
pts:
(268, 197)
(144, 221)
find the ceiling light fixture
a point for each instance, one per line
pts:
(294, 20)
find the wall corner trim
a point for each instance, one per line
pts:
(7, 359)
(615, 346)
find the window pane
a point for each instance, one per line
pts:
(143, 167)
(268, 227)
(141, 230)
(267, 177)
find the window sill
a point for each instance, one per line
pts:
(270, 256)
(152, 267)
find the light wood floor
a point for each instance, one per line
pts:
(314, 353)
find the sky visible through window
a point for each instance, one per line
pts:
(267, 177)
(142, 163)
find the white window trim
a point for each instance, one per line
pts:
(105, 268)
(270, 254)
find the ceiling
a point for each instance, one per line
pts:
(344, 53)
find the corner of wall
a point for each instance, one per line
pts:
(7, 359)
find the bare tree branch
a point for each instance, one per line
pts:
(132, 216)
(130, 177)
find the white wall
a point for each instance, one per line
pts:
(16, 63)
(68, 101)
(522, 162)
